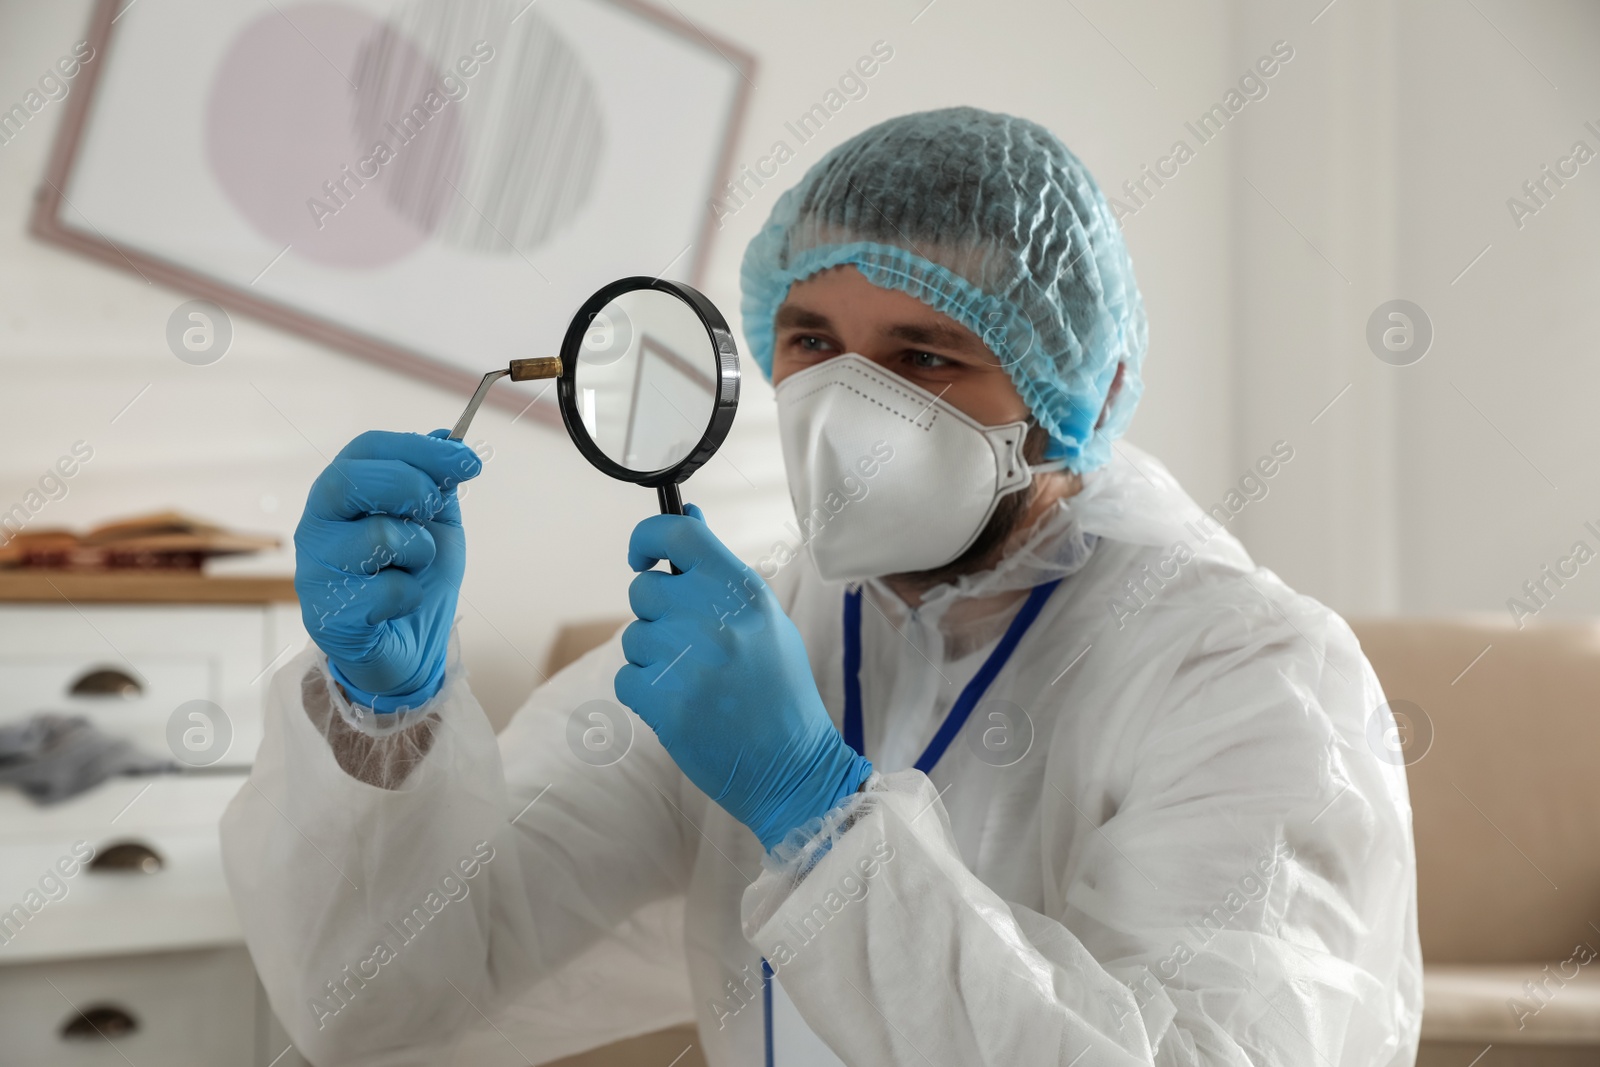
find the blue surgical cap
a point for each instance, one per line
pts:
(988, 219)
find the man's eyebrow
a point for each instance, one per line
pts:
(939, 334)
(801, 318)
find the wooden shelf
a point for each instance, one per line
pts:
(140, 587)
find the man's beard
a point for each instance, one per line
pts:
(989, 548)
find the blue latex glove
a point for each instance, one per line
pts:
(379, 555)
(719, 672)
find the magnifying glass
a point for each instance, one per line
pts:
(648, 383)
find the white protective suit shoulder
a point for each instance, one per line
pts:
(1198, 859)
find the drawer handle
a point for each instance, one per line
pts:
(133, 857)
(107, 682)
(99, 1020)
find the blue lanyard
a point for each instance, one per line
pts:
(957, 718)
(962, 708)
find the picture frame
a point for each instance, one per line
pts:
(592, 151)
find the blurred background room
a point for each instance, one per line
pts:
(1366, 236)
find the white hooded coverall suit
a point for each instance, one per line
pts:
(1194, 857)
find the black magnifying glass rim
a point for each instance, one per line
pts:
(722, 411)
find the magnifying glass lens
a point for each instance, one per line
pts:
(646, 379)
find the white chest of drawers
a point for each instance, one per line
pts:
(144, 963)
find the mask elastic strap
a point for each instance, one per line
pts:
(1048, 465)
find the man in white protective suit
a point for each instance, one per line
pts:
(1018, 759)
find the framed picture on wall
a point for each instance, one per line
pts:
(432, 184)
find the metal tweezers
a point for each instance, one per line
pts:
(521, 370)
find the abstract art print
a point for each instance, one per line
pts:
(435, 184)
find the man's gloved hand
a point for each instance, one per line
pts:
(719, 672)
(379, 555)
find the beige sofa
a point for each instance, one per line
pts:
(1506, 806)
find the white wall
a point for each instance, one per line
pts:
(1499, 436)
(1312, 197)
(1444, 485)
(1377, 166)
(240, 441)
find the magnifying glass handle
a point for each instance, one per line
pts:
(671, 504)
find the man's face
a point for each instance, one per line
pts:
(838, 311)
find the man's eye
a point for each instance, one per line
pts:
(928, 360)
(809, 343)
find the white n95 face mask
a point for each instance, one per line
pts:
(885, 476)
